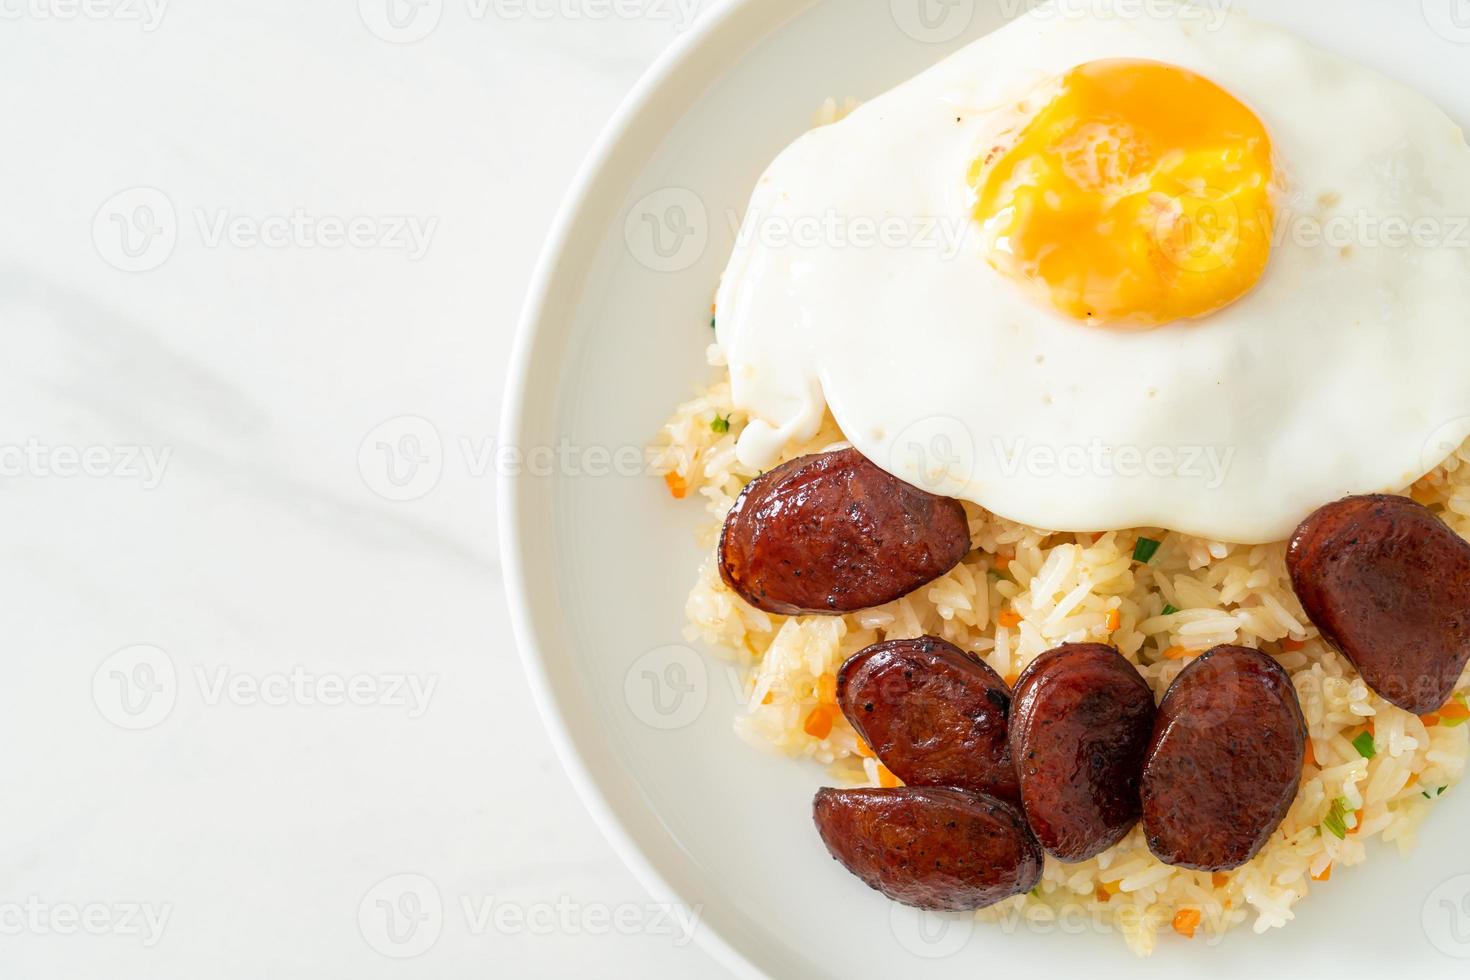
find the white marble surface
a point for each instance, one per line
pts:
(244, 686)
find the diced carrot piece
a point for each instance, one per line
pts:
(676, 483)
(1293, 645)
(1430, 720)
(819, 722)
(1115, 620)
(1176, 653)
(1357, 822)
(827, 689)
(768, 698)
(1311, 754)
(886, 779)
(864, 751)
(1219, 879)
(1325, 875)
(1454, 711)
(1010, 619)
(1186, 921)
(1011, 679)
(1102, 894)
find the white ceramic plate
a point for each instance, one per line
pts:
(598, 564)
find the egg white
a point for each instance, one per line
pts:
(859, 282)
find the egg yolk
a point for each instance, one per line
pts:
(1141, 194)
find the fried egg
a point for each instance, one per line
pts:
(1109, 272)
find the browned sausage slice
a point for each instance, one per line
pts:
(1080, 726)
(930, 847)
(1388, 584)
(933, 714)
(1225, 761)
(833, 534)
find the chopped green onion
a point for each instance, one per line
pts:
(720, 425)
(711, 323)
(1364, 744)
(1144, 551)
(1170, 610)
(1336, 820)
(1440, 791)
(1426, 795)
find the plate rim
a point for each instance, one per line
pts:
(577, 200)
